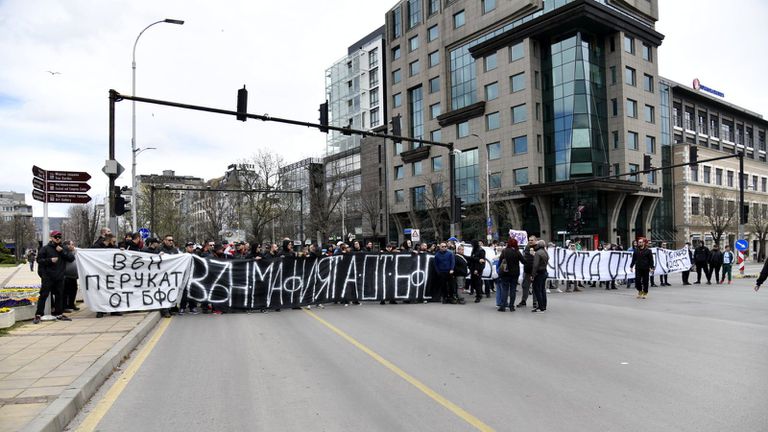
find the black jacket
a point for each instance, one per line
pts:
(475, 265)
(763, 274)
(528, 265)
(48, 269)
(460, 267)
(513, 257)
(701, 254)
(642, 259)
(716, 258)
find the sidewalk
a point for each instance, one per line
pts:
(50, 370)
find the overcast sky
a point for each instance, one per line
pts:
(60, 121)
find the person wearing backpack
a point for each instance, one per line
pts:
(509, 272)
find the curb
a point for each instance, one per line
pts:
(63, 410)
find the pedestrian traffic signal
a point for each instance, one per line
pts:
(119, 209)
(242, 104)
(324, 117)
(647, 163)
(396, 128)
(693, 156)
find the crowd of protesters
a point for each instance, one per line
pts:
(455, 270)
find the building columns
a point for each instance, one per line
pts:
(613, 220)
(649, 208)
(514, 213)
(633, 208)
(542, 204)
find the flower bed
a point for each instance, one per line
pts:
(19, 296)
(7, 317)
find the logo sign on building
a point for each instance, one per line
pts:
(60, 186)
(698, 86)
(742, 245)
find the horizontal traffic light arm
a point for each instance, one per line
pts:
(119, 97)
(630, 174)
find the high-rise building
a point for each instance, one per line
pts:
(539, 97)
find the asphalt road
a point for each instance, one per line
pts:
(689, 358)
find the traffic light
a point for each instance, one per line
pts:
(397, 128)
(693, 156)
(242, 104)
(119, 209)
(647, 163)
(458, 209)
(324, 117)
(127, 194)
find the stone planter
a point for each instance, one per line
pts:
(25, 313)
(8, 319)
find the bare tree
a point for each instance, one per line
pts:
(759, 226)
(717, 214)
(326, 194)
(369, 206)
(82, 224)
(261, 209)
(19, 229)
(437, 204)
(216, 211)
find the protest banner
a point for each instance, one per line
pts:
(565, 264)
(113, 280)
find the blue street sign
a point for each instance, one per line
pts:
(490, 222)
(144, 233)
(742, 245)
(407, 231)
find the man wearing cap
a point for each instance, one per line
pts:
(52, 261)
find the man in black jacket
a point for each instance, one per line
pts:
(687, 273)
(52, 261)
(701, 257)
(527, 273)
(643, 259)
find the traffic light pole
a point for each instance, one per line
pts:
(742, 215)
(109, 216)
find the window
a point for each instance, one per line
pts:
(458, 20)
(491, 91)
(632, 143)
(414, 68)
(631, 108)
(462, 129)
(614, 107)
(650, 114)
(633, 168)
(490, 62)
(417, 194)
(613, 75)
(416, 168)
(494, 151)
(521, 176)
(399, 196)
(437, 190)
(397, 23)
(488, 5)
(629, 76)
(434, 85)
(707, 175)
(616, 169)
(707, 206)
(494, 180)
(651, 176)
(434, 58)
(516, 52)
(719, 176)
(615, 139)
(433, 33)
(519, 114)
(629, 44)
(492, 121)
(434, 110)
(399, 172)
(695, 205)
(764, 187)
(413, 43)
(437, 163)
(416, 112)
(436, 135)
(397, 100)
(648, 83)
(396, 76)
(433, 6)
(694, 173)
(375, 117)
(373, 79)
(520, 144)
(754, 183)
(647, 52)
(396, 52)
(374, 97)
(414, 13)
(517, 82)
(650, 144)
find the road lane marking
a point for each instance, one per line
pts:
(464, 415)
(104, 405)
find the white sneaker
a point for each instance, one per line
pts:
(559, 290)
(548, 291)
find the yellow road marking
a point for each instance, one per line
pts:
(469, 418)
(103, 406)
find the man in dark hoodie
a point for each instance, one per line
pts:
(642, 257)
(444, 264)
(701, 257)
(52, 261)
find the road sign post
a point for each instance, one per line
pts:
(741, 246)
(58, 187)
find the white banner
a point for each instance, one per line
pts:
(521, 236)
(113, 280)
(567, 264)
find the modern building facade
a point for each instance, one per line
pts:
(355, 89)
(539, 97)
(704, 200)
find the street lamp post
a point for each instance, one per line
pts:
(133, 118)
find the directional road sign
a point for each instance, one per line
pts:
(38, 172)
(742, 245)
(38, 195)
(73, 187)
(144, 233)
(68, 198)
(38, 183)
(68, 176)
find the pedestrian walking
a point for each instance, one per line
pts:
(31, 257)
(642, 257)
(52, 260)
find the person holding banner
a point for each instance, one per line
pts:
(643, 259)
(687, 273)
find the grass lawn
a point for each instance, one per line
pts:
(8, 265)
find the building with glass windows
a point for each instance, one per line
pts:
(540, 97)
(701, 202)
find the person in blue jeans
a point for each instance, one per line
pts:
(509, 272)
